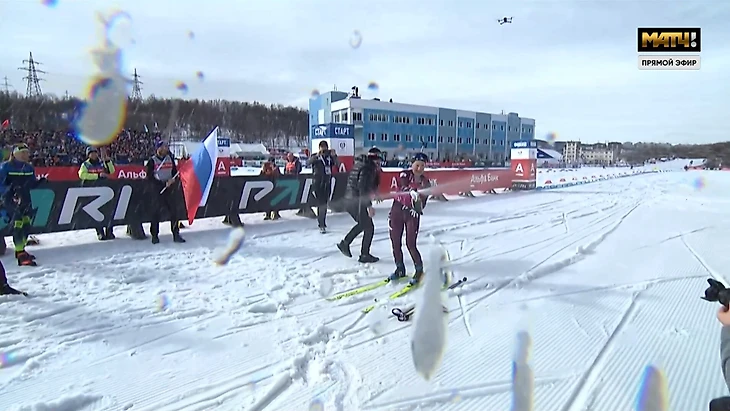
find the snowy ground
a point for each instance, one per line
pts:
(606, 277)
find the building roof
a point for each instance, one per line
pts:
(361, 103)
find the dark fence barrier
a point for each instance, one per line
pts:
(75, 205)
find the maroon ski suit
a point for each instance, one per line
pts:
(405, 216)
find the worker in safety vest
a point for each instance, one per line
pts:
(94, 169)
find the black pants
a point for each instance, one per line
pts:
(322, 215)
(100, 230)
(165, 203)
(322, 194)
(364, 224)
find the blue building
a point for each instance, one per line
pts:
(442, 133)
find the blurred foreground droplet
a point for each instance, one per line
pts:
(653, 394)
(316, 405)
(234, 243)
(355, 39)
(181, 87)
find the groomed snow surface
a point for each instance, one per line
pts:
(597, 281)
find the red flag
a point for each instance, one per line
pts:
(5, 124)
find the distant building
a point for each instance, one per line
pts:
(400, 129)
(598, 153)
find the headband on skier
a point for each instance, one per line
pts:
(420, 157)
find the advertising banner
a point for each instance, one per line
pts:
(523, 159)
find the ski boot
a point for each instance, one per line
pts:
(416, 277)
(400, 272)
(267, 216)
(155, 239)
(8, 290)
(344, 249)
(367, 259)
(177, 238)
(25, 259)
(323, 230)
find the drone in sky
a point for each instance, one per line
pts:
(504, 20)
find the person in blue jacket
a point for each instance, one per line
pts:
(17, 178)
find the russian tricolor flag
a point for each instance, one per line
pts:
(196, 174)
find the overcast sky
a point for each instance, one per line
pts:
(570, 64)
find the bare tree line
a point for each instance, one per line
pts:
(715, 153)
(273, 124)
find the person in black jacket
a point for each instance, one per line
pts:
(162, 175)
(362, 185)
(323, 166)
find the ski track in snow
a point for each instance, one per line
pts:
(584, 269)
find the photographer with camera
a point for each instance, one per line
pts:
(717, 292)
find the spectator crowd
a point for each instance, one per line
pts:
(63, 148)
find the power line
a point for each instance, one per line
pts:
(33, 88)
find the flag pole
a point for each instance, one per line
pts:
(173, 178)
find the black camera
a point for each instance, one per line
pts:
(720, 404)
(717, 292)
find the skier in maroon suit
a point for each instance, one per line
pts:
(405, 216)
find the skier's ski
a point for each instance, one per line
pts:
(408, 288)
(362, 289)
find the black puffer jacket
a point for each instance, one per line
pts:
(363, 181)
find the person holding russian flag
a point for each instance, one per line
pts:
(162, 175)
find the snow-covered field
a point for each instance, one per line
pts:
(605, 277)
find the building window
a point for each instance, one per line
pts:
(450, 139)
(461, 124)
(407, 120)
(409, 138)
(468, 124)
(494, 126)
(344, 117)
(501, 142)
(468, 140)
(509, 128)
(441, 123)
(336, 118)
(501, 127)
(430, 121)
(430, 139)
(459, 140)
(477, 125)
(396, 137)
(441, 139)
(371, 136)
(384, 137)
(451, 123)
(494, 142)
(356, 116)
(476, 141)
